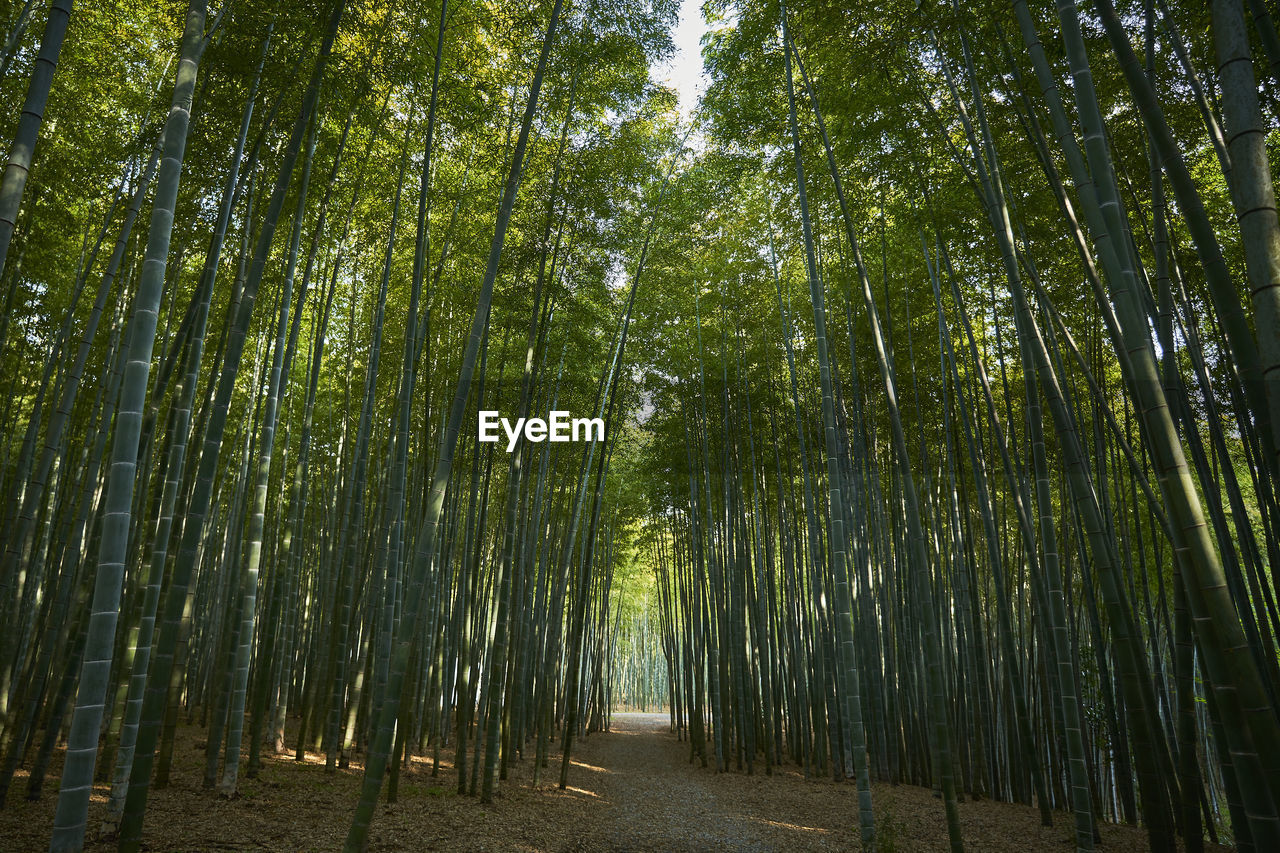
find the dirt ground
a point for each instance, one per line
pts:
(631, 790)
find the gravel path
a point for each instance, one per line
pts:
(655, 799)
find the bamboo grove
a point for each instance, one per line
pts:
(938, 353)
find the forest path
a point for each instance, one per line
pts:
(654, 799)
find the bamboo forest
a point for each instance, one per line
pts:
(639, 425)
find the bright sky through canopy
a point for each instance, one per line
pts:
(684, 70)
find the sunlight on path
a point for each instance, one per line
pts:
(658, 801)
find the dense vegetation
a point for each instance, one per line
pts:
(939, 357)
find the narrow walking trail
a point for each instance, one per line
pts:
(654, 800)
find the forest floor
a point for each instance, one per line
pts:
(632, 790)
